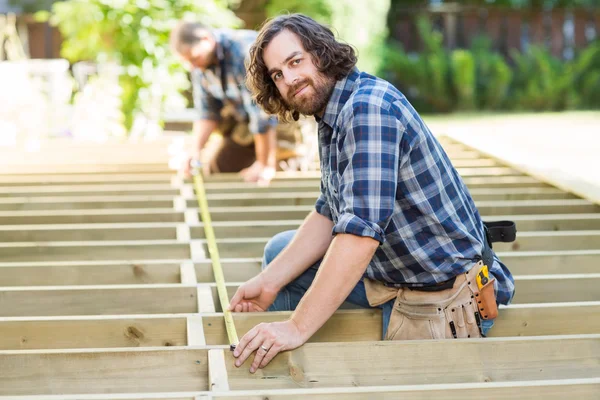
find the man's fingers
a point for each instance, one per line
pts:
(237, 297)
(251, 334)
(249, 348)
(273, 351)
(261, 352)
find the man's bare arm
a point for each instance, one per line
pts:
(307, 247)
(343, 266)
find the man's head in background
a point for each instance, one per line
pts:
(194, 43)
(294, 65)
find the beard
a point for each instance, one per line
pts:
(310, 103)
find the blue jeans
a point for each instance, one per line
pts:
(289, 297)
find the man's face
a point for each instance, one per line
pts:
(301, 85)
(202, 54)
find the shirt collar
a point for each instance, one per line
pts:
(339, 96)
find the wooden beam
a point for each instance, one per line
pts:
(90, 216)
(244, 229)
(552, 262)
(352, 364)
(116, 331)
(559, 389)
(125, 273)
(99, 168)
(98, 300)
(310, 366)
(161, 299)
(561, 240)
(537, 207)
(99, 250)
(87, 190)
(141, 370)
(217, 371)
(82, 179)
(344, 326)
(139, 271)
(195, 331)
(91, 201)
(302, 185)
(555, 389)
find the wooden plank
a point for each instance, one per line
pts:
(562, 240)
(217, 371)
(537, 207)
(232, 200)
(556, 288)
(492, 360)
(242, 187)
(188, 273)
(552, 222)
(109, 272)
(150, 189)
(310, 366)
(357, 325)
(206, 300)
(556, 389)
(125, 273)
(97, 300)
(245, 229)
(302, 185)
(195, 331)
(552, 262)
(82, 179)
(91, 333)
(111, 371)
(99, 250)
(90, 216)
(99, 168)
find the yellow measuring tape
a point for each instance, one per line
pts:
(214, 255)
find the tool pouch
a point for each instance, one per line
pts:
(485, 297)
(486, 301)
(445, 314)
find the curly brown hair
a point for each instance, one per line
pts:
(332, 58)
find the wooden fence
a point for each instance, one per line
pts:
(562, 30)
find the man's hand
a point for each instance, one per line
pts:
(254, 295)
(186, 169)
(268, 340)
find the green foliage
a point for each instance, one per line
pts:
(493, 75)
(361, 24)
(135, 35)
(586, 75)
(425, 77)
(436, 80)
(541, 82)
(320, 10)
(463, 79)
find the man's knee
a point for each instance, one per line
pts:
(276, 245)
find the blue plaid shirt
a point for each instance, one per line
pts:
(233, 47)
(385, 176)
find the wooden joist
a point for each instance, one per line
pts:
(114, 331)
(314, 365)
(183, 298)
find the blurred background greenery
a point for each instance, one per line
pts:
(473, 55)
